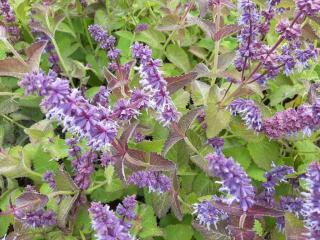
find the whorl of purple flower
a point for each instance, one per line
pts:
(126, 210)
(154, 181)
(280, 222)
(248, 37)
(276, 175)
(48, 177)
(105, 41)
(217, 143)
(83, 167)
(70, 108)
(287, 31)
(308, 7)
(10, 20)
(248, 111)
(106, 223)
(311, 206)
(74, 149)
(291, 121)
(208, 214)
(107, 160)
(124, 111)
(154, 85)
(101, 97)
(234, 179)
(293, 205)
(36, 219)
(141, 27)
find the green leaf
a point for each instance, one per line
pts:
(217, 119)
(240, 155)
(264, 153)
(148, 222)
(256, 173)
(151, 37)
(257, 227)
(178, 57)
(200, 92)
(178, 231)
(64, 209)
(63, 181)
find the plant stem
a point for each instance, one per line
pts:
(216, 47)
(187, 141)
(13, 121)
(90, 190)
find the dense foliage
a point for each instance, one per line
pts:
(159, 119)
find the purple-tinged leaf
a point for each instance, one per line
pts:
(255, 211)
(175, 83)
(158, 163)
(309, 33)
(241, 234)
(170, 23)
(127, 134)
(226, 31)
(34, 53)
(212, 234)
(207, 26)
(202, 70)
(31, 201)
(176, 135)
(203, 7)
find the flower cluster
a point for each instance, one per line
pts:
(273, 177)
(105, 41)
(293, 205)
(9, 19)
(106, 224)
(141, 27)
(36, 219)
(83, 167)
(217, 143)
(292, 121)
(208, 214)
(308, 7)
(126, 210)
(234, 179)
(154, 85)
(248, 111)
(154, 181)
(72, 109)
(312, 202)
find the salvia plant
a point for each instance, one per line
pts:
(165, 120)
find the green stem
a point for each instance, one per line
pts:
(90, 190)
(216, 47)
(13, 121)
(15, 53)
(63, 64)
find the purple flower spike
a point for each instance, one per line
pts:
(107, 160)
(235, 180)
(154, 85)
(83, 168)
(106, 224)
(101, 97)
(248, 111)
(126, 209)
(208, 214)
(312, 203)
(293, 205)
(141, 27)
(36, 219)
(309, 7)
(287, 31)
(99, 34)
(154, 181)
(276, 175)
